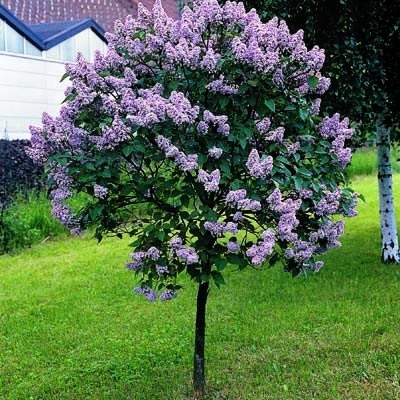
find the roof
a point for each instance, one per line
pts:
(105, 12)
(46, 36)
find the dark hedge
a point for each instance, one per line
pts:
(17, 171)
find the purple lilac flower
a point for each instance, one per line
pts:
(134, 266)
(168, 294)
(210, 59)
(162, 270)
(111, 136)
(184, 162)
(210, 180)
(100, 191)
(188, 255)
(237, 217)
(263, 125)
(305, 193)
(351, 211)
(221, 87)
(301, 251)
(176, 243)
(342, 153)
(180, 110)
(215, 152)
(315, 107)
(276, 135)
(153, 253)
(317, 266)
(231, 227)
(234, 196)
(259, 252)
(286, 226)
(323, 85)
(147, 292)
(238, 199)
(293, 148)
(216, 228)
(259, 168)
(329, 204)
(202, 127)
(233, 247)
(249, 204)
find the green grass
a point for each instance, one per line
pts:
(364, 162)
(70, 328)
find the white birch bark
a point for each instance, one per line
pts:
(389, 237)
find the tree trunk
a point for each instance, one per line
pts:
(390, 243)
(199, 380)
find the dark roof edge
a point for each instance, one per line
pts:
(74, 30)
(21, 28)
(54, 40)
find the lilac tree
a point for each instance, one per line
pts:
(201, 139)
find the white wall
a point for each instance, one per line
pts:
(28, 87)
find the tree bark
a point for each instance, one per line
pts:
(389, 237)
(199, 380)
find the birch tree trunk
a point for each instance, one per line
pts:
(390, 243)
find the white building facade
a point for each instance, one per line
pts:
(32, 62)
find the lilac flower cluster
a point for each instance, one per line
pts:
(61, 192)
(184, 162)
(215, 152)
(275, 135)
(162, 270)
(209, 180)
(168, 294)
(286, 209)
(147, 292)
(259, 168)
(301, 250)
(233, 247)
(263, 125)
(187, 254)
(258, 253)
(139, 258)
(238, 199)
(220, 122)
(328, 234)
(339, 132)
(218, 229)
(100, 191)
(329, 204)
(220, 86)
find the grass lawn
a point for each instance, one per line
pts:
(70, 327)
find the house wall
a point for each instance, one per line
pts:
(31, 85)
(28, 87)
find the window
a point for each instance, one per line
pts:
(96, 44)
(14, 41)
(54, 53)
(32, 50)
(68, 50)
(82, 43)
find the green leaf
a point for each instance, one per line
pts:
(303, 113)
(270, 104)
(64, 77)
(218, 278)
(290, 107)
(305, 172)
(220, 263)
(313, 81)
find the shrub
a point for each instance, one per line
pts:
(212, 121)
